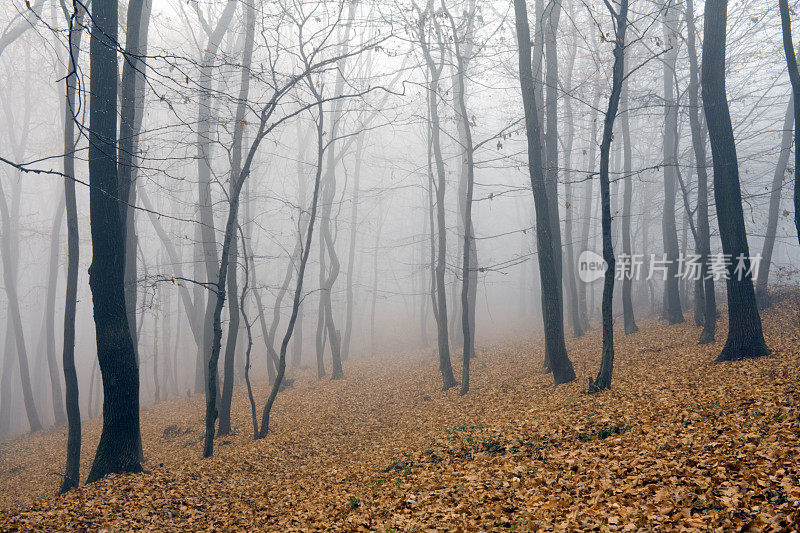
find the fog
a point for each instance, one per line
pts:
(221, 103)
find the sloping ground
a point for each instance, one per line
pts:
(679, 443)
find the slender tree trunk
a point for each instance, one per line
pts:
(374, 287)
(230, 343)
(155, 358)
(320, 335)
(701, 158)
(208, 240)
(588, 198)
(351, 255)
(603, 380)
(762, 289)
(467, 310)
(745, 336)
(627, 198)
(228, 258)
(298, 292)
(131, 112)
(672, 300)
(435, 70)
(551, 289)
(9, 250)
(49, 315)
(248, 329)
(569, 202)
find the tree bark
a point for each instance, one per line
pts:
(701, 159)
(555, 348)
(762, 288)
(298, 292)
(603, 380)
(118, 450)
(745, 336)
(794, 78)
(672, 300)
(236, 168)
(627, 198)
(435, 70)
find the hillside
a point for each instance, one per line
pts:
(678, 443)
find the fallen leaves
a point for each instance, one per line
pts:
(679, 443)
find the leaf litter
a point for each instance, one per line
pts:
(678, 444)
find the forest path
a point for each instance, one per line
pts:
(679, 442)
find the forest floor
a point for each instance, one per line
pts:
(679, 443)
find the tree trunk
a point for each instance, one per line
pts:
(351, 255)
(118, 450)
(569, 202)
(435, 70)
(699, 146)
(603, 380)
(48, 324)
(374, 287)
(762, 289)
(745, 337)
(672, 300)
(236, 169)
(205, 209)
(9, 250)
(298, 292)
(555, 348)
(627, 198)
(586, 215)
(794, 78)
(467, 307)
(230, 343)
(131, 112)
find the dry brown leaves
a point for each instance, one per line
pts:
(679, 443)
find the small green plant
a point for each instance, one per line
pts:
(353, 504)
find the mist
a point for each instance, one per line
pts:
(208, 206)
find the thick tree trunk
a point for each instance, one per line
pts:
(118, 450)
(745, 336)
(555, 348)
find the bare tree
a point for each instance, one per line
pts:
(620, 20)
(794, 78)
(119, 447)
(552, 310)
(745, 336)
